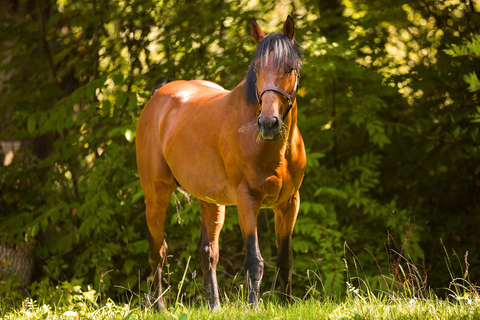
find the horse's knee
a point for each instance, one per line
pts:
(253, 261)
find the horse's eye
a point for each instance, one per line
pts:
(290, 70)
(255, 70)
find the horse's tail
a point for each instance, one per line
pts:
(160, 83)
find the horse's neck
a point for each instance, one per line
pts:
(291, 123)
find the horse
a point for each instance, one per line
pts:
(239, 147)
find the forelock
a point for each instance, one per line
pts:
(284, 52)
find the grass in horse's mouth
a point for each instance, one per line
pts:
(282, 135)
(284, 131)
(257, 135)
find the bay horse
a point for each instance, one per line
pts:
(239, 147)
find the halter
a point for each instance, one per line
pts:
(289, 96)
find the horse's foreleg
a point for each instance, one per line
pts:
(248, 208)
(285, 217)
(213, 217)
(157, 254)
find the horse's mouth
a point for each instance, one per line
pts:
(272, 137)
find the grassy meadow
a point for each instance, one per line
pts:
(403, 293)
(402, 300)
(349, 308)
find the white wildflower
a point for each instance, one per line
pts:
(70, 314)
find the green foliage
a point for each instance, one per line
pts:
(9, 288)
(391, 132)
(470, 49)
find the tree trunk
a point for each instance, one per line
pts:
(17, 260)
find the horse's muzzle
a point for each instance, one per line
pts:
(269, 126)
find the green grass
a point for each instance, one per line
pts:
(353, 307)
(406, 295)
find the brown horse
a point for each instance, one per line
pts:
(239, 147)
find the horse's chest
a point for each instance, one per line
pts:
(272, 187)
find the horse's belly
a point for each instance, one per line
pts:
(202, 174)
(222, 196)
(208, 189)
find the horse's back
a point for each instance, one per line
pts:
(186, 104)
(175, 102)
(185, 91)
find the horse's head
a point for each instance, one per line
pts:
(273, 77)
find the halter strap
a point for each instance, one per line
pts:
(288, 96)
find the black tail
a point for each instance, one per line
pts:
(160, 83)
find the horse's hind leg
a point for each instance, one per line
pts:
(156, 211)
(213, 217)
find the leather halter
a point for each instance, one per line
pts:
(289, 96)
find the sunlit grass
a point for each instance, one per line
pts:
(406, 296)
(351, 308)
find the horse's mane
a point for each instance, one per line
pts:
(285, 56)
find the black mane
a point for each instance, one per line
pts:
(285, 56)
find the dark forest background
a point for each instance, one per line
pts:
(388, 106)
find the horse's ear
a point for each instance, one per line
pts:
(257, 33)
(289, 28)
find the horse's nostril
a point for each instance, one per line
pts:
(270, 124)
(276, 123)
(259, 124)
